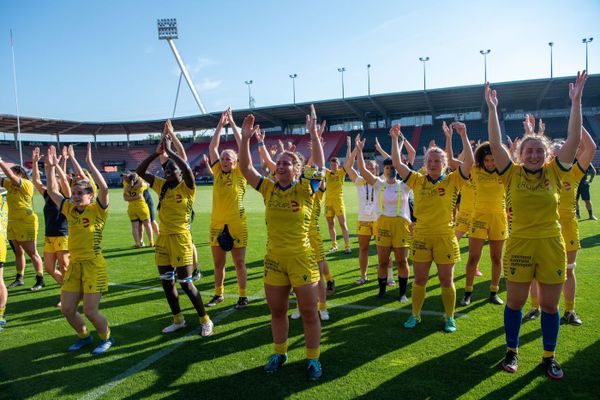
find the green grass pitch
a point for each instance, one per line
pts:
(365, 351)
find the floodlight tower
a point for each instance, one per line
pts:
(167, 30)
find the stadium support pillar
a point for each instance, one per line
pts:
(95, 142)
(58, 141)
(128, 139)
(194, 136)
(388, 123)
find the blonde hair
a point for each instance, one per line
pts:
(543, 140)
(439, 151)
(296, 161)
(374, 164)
(232, 153)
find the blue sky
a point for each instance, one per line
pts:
(102, 61)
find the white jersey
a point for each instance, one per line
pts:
(392, 199)
(367, 200)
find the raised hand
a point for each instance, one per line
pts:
(447, 130)
(35, 155)
(70, 151)
(273, 150)
(248, 127)
(65, 153)
(460, 128)
(576, 89)
(88, 156)
(160, 148)
(432, 143)
(51, 159)
(260, 136)
(349, 143)
(321, 129)
(360, 144)
(395, 131)
(541, 127)
(291, 147)
(491, 97)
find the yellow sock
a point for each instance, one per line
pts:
(219, 290)
(334, 243)
(178, 319)
(2, 309)
(322, 306)
(83, 334)
(312, 353)
(570, 305)
(511, 349)
(242, 292)
(40, 274)
(548, 354)
(494, 288)
(535, 303)
(327, 277)
(204, 319)
(469, 289)
(418, 298)
(105, 335)
(280, 348)
(449, 300)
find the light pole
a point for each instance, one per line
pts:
(341, 70)
(167, 30)
(424, 60)
(551, 44)
(369, 79)
(485, 53)
(250, 100)
(586, 41)
(293, 77)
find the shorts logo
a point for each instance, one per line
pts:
(295, 205)
(441, 191)
(178, 258)
(572, 242)
(558, 272)
(513, 270)
(449, 256)
(304, 277)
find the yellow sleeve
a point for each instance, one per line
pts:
(508, 173)
(413, 179)
(66, 206)
(558, 168)
(264, 186)
(158, 184)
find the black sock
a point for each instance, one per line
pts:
(402, 284)
(590, 212)
(382, 285)
(19, 277)
(468, 294)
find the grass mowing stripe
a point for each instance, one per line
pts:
(119, 379)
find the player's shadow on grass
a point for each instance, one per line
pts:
(590, 241)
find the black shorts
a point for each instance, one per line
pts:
(584, 191)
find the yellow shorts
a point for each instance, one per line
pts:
(175, 250)
(490, 226)
(544, 259)
(367, 228)
(54, 244)
(238, 231)
(2, 249)
(24, 229)
(463, 222)
(316, 242)
(392, 232)
(296, 270)
(334, 207)
(86, 276)
(138, 212)
(569, 229)
(441, 249)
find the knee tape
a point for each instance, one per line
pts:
(168, 276)
(571, 266)
(185, 280)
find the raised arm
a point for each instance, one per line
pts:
(9, 174)
(142, 169)
(350, 158)
(453, 163)
(51, 185)
(245, 161)
(97, 177)
(501, 157)
(234, 128)
(213, 147)
(64, 157)
(567, 152)
(316, 133)
(402, 168)
(364, 172)
(467, 152)
(169, 132)
(78, 170)
(588, 149)
(35, 171)
(264, 153)
(380, 149)
(207, 164)
(63, 182)
(410, 150)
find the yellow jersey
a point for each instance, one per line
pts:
(85, 229)
(435, 201)
(532, 199)
(132, 192)
(489, 190)
(467, 196)
(568, 193)
(175, 213)
(288, 213)
(335, 182)
(229, 189)
(19, 198)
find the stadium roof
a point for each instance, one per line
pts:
(527, 95)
